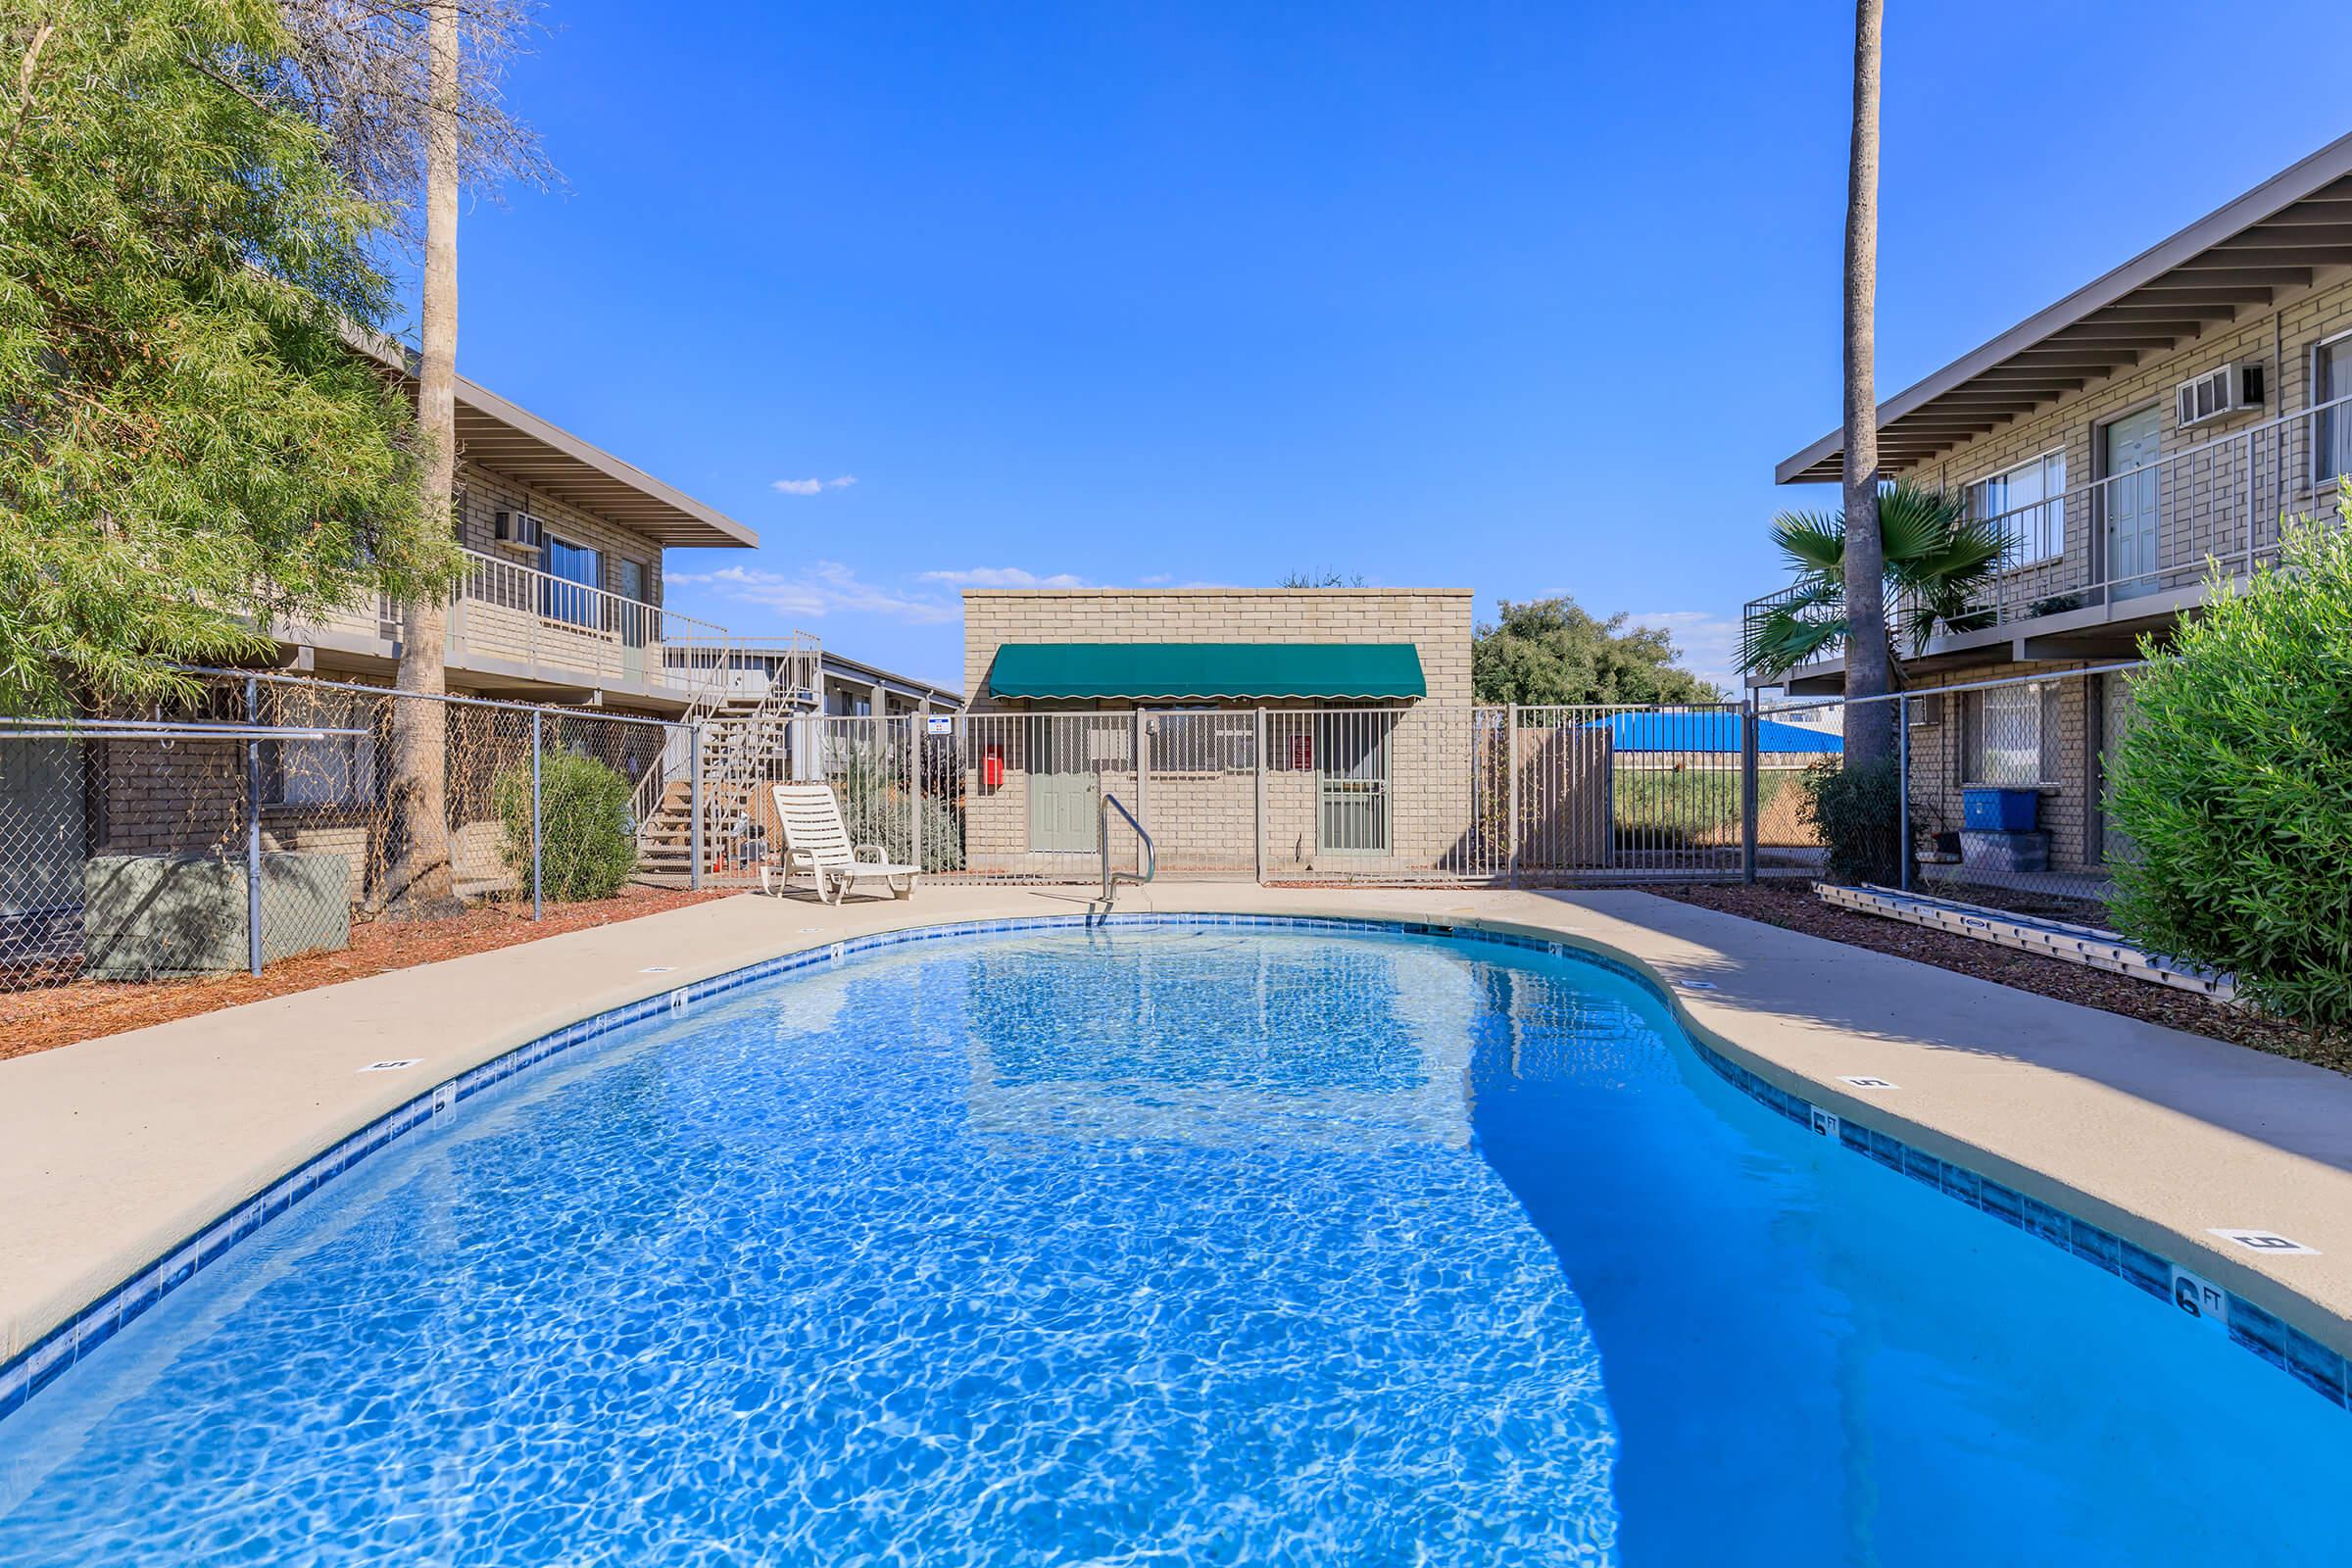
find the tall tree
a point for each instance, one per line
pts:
(421, 882)
(189, 449)
(1549, 652)
(1869, 669)
(407, 91)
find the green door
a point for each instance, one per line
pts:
(1061, 785)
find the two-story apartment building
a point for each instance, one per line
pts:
(2155, 424)
(560, 600)
(561, 596)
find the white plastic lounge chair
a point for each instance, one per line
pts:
(816, 841)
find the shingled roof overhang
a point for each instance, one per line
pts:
(2233, 262)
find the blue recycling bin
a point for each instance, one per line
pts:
(1993, 810)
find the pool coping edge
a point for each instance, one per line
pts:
(2278, 1331)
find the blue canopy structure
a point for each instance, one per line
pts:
(1709, 732)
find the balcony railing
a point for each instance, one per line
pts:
(532, 622)
(769, 671)
(2156, 529)
(560, 630)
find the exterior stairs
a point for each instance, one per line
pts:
(744, 744)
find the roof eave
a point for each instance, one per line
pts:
(2290, 185)
(698, 524)
(729, 533)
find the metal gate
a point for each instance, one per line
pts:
(1429, 793)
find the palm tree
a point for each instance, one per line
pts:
(1869, 673)
(1934, 561)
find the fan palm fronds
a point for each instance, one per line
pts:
(1938, 561)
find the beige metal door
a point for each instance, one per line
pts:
(2115, 722)
(2134, 500)
(1061, 785)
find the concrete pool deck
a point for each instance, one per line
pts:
(114, 1151)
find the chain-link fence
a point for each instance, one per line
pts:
(274, 816)
(1284, 795)
(2005, 781)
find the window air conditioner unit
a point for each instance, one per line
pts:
(517, 528)
(2224, 390)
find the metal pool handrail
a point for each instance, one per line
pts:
(1111, 879)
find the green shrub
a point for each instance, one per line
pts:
(2234, 786)
(1676, 807)
(587, 844)
(873, 792)
(1858, 811)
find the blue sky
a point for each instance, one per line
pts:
(1528, 299)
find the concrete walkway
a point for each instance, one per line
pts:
(114, 1149)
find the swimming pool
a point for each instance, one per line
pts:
(1162, 1243)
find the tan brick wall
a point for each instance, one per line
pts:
(483, 494)
(1436, 620)
(1202, 817)
(191, 797)
(2070, 741)
(488, 493)
(2202, 508)
(151, 800)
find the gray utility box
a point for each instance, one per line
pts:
(1985, 849)
(148, 916)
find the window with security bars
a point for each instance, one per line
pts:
(1201, 740)
(2012, 734)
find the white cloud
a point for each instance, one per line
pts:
(1709, 644)
(1005, 577)
(823, 588)
(809, 487)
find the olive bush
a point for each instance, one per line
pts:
(587, 846)
(875, 809)
(2234, 786)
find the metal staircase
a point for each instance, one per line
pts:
(745, 741)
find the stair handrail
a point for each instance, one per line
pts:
(738, 753)
(1104, 804)
(702, 700)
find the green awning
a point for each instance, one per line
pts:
(1164, 672)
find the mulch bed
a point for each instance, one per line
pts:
(58, 1015)
(1794, 906)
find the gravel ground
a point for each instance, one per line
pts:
(58, 1015)
(1793, 906)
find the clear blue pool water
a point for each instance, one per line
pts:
(1160, 1246)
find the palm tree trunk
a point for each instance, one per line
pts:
(419, 884)
(1869, 726)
